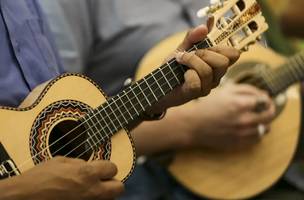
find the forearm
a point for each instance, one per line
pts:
(167, 134)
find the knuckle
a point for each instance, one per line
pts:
(193, 88)
(201, 53)
(188, 57)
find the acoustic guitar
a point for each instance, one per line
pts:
(70, 116)
(243, 174)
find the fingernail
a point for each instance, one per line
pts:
(179, 56)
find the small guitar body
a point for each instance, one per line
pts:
(239, 174)
(71, 117)
(28, 135)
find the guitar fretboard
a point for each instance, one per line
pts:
(277, 80)
(127, 106)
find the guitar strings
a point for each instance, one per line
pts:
(90, 128)
(81, 124)
(274, 77)
(257, 81)
(94, 124)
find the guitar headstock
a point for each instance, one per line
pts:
(236, 23)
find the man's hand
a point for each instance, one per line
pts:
(227, 119)
(206, 67)
(64, 178)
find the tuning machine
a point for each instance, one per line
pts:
(214, 6)
(245, 48)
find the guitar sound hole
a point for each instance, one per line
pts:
(70, 140)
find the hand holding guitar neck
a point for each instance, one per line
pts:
(206, 68)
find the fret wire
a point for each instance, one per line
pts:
(108, 136)
(98, 114)
(143, 94)
(301, 66)
(166, 79)
(172, 81)
(163, 81)
(287, 71)
(173, 73)
(298, 67)
(293, 66)
(102, 107)
(111, 131)
(128, 104)
(106, 116)
(275, 85)
(272, 85)
(151, 98)
(278, 75)
(118, 107)
(99, 126)
(115, 116)
(150, 88)
(87, 150)
(137, 98)
(131, 103)
(125, 94)
(168, 64)
(208, 42)
(137, 89)
(157, 82)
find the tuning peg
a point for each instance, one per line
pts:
(213, 2)
(259, 38)
(214, 6)
(203, 12)
(245, 48)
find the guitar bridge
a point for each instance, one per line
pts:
(8, 169)
(7, 166)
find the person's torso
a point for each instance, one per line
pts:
(27, 55)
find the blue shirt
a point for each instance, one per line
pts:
(27, 53)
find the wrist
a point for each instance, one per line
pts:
(182, 137)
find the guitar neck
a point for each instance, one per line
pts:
(276, 81)
(247, 24)
(128, 105)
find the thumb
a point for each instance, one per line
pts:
(193, 36)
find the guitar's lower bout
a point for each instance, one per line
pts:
(49, 126)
